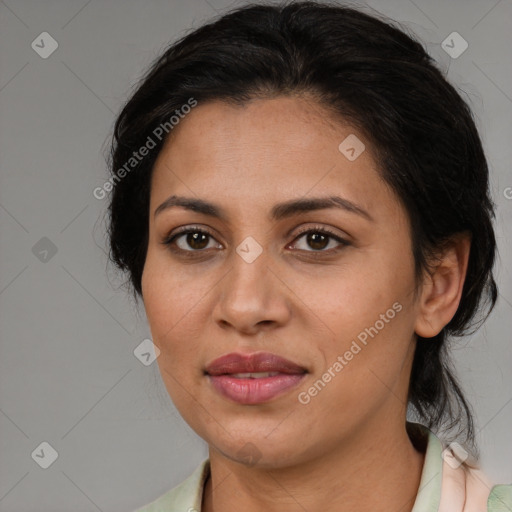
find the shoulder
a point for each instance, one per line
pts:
(471, 487)
(450, 483)
(186, 497)
(500, 499)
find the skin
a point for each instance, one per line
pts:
(295, 300)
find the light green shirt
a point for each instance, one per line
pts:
(444, 487)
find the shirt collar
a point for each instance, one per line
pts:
(189, 494)
(429, 491)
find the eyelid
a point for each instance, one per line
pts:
(320, 228)
(168, 239)
(342, 241)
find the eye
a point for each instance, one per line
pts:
(319, 239)
(195, 240)
(191, 240)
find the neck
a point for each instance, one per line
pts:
(373, 469)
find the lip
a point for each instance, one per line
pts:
(252, 391)
(248, 363)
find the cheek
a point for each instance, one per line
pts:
(367, 366)
(352, 296)
(369, 311)
(169, 309)
(176, 302)
(170, 297)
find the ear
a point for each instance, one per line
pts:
(442, 287)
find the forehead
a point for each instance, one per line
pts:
(268, 148)
(296, 122)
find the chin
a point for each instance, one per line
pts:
(260, 451)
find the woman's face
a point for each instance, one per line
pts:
(338, 303)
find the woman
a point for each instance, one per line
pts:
(301, 201)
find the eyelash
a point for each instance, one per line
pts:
(169, 240)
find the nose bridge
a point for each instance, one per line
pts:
(249, 279)
(251, 294)
(249, 265)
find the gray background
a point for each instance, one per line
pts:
(68, 375)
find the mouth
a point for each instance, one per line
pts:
(254, 378)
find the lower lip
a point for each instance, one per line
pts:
(255, 391)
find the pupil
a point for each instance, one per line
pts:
(197, 240)
(317, 241)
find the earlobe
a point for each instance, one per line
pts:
(442, 288)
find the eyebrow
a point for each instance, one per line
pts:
(278, 212)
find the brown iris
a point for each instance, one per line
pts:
(317, 240)
(197, 240)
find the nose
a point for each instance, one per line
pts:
(251, 297)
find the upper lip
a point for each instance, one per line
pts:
(252, 363)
